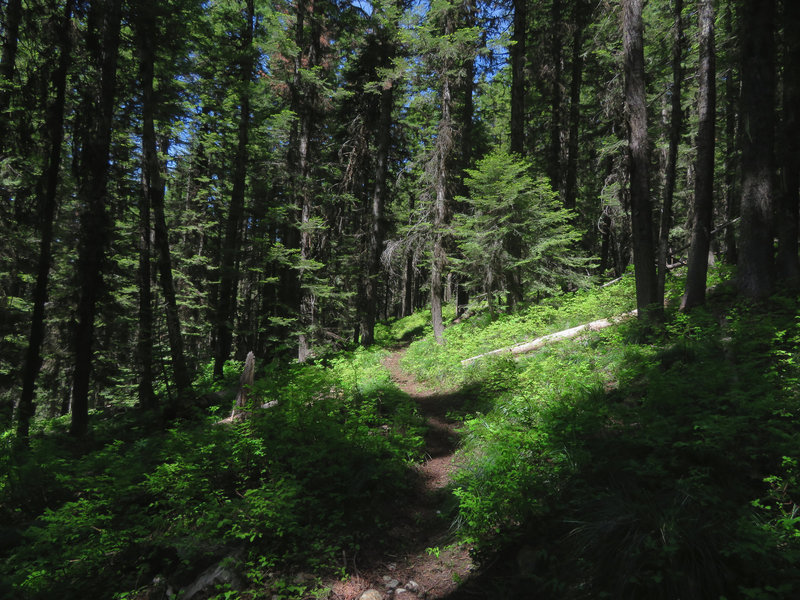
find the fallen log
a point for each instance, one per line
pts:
(552, 337)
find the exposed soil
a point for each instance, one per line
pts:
(420, 537)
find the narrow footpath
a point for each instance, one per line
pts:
(422, 561)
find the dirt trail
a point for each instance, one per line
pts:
(422, 561)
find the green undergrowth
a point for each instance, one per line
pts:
(484, 332)
(294, 488)
(407, 329)
(630, 463)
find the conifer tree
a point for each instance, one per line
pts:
(756, 255)
(787, 263)
(695, 292)
(638, 152)
(231, 245)
(102, 40)
(47, 189)
(675, 127)
(384, 49)
(153, 198)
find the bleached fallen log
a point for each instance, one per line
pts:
(553, 337)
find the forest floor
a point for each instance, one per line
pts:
(421, 559)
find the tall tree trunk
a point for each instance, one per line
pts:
(695, 291)
(144, 343)
(377, 221)
(605, 244)
(554, 152)
(675, 127)
(377, 224)
(467, 118)
(409, 296)
(408, 286)
(731, 147)
(440, 211)
(103, 46)
(636, 112)
(229, 273)
(570, 184)
(8, 62)
(787, 264)
(181, 375)
(518, 91)
(154, 197)
(303, 99)
(48, 188)
(518, 54)
(441, 207)
(145, 27)
(756, 260)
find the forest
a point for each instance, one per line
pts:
(256, 258)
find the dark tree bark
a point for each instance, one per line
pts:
(570, 183)
(731, 148)
(146, 393)
(48, 188)
(408, 286)
(409, 279)
(605, 244)
(788, 267)
(554, 150)
(153, 197)
(518, 84)
(144, 342)
(636, 113)
(377, 221)
(229, 273)
(445, 142)
(303, 100)
(675, 127)
(181, 375)
(518, 91)
(467, 117)
(695, 291)
(757, 109)
(441, 209)
(103, 46)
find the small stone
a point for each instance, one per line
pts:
(400, 591)
(371, 595)
(412, 586)
(391, 566)
(304, 579)
(391, 584)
